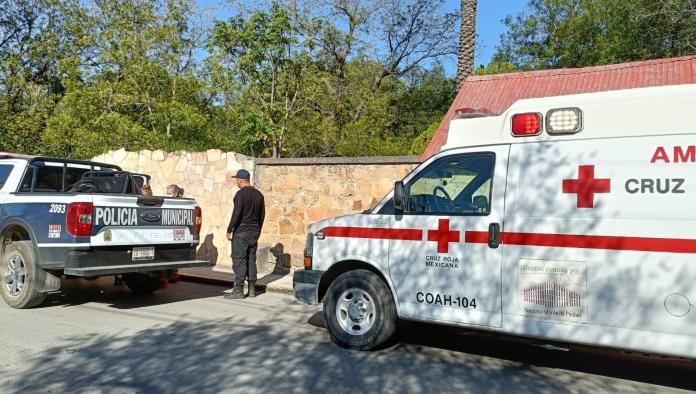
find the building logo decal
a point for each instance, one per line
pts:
(551, 295)
(552, 290)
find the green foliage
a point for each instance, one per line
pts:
(263, 54)
(312, 78)
(78, 78)
(577, 33)
(32, 55)
(305, 93)
(498, 65)
(421, 142)
(142, 91)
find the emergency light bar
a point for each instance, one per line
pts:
(558, 121)
(564, 121)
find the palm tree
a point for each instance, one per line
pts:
(467, 40)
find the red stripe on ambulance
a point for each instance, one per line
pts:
(670, 245)
(374, 233)
(642, 244)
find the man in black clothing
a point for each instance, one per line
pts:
(244, 231)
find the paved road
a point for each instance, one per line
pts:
(95, 337)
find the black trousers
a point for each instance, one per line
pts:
(244, 247)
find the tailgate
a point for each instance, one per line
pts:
(137, 220)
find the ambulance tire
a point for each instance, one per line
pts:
(375, 299)
(22, 290)
(142, 283)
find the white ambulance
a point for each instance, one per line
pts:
(569, 219)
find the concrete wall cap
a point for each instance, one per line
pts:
(339, 160)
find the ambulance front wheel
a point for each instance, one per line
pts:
(359, 311)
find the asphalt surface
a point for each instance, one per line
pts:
(95, 337)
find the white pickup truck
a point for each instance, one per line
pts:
(86, 219)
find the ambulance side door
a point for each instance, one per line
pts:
(441, 264)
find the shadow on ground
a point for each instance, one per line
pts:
(233, 356)
(677, 373)
(592, 360)
(287, 350)
(77, 291)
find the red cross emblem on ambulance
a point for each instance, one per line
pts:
(586, 186)
(443, 236)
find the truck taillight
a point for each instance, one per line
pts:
(309, 251)
(199, 221)
(78, 221)
(528, 124)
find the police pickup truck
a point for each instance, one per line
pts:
(86, 219)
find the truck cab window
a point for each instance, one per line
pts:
(72, 175)
(453, 185)
(5, 171)
(50, 178)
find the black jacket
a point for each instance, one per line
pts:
(249, 211)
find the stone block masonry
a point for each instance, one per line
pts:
(298, 192)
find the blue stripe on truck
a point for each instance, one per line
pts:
(47, 221)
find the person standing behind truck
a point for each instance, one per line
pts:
(146, 191)
(174, 191)
(244, 231)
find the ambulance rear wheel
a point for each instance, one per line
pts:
(142, 283)
(359, 311)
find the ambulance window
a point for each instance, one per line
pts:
(454, 185)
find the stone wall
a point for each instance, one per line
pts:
(298, 193)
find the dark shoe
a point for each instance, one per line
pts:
(236, 294)
(252, 289)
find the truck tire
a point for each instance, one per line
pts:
(142, 283)
(359, 311)
(21, 280)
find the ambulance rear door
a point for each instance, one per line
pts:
(441, 263)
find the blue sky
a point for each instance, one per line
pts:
(489, 27)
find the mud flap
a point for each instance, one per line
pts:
(48, 282)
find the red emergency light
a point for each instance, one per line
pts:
(528, 124)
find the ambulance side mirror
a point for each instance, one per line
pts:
(399, 196)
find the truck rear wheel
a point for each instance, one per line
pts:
(21, 278)
(359, 311)
(142, 283)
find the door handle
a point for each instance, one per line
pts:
(493, 235)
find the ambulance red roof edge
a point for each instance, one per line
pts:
(498, 92)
